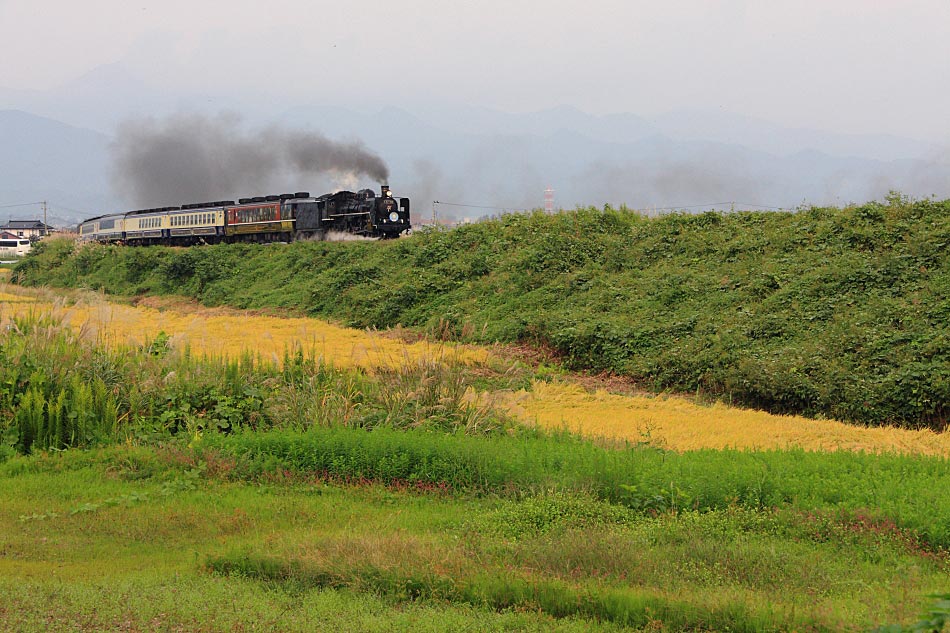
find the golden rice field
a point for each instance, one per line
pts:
(229, 333)
(676, 423)
(679, 424)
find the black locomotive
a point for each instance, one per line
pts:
(360, 213)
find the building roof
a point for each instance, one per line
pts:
(4, 235)
(25, 224)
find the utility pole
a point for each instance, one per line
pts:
(45, 225)
(434, 202)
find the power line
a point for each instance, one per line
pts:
(716, 204)
(477, 206)
(670, 208)
(22, 204)
(57, 205)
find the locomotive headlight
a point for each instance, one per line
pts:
(393, 217)
(389, 194)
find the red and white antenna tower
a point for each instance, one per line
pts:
(549, 200)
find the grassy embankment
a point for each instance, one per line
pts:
(246, 494)
(835, 312)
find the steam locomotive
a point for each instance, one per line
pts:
(282, 218)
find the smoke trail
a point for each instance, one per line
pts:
(195, 158)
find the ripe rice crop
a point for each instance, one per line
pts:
(232, 334)
(678, 424)
(673, 423)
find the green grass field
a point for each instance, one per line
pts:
(129, 538)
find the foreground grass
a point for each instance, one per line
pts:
(890, 492)
(136, 539)
(221, 494)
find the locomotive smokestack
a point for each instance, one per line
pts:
(386, 192)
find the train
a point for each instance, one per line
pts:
(276, 218)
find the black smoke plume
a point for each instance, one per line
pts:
(196, 158)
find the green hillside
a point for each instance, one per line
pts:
(836, 312)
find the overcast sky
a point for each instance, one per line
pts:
(845, 65)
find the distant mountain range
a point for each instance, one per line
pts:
(43, 159)
(54, 146)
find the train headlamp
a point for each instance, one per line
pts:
(389, 194)
(393, 217)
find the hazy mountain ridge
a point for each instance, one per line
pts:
(474, 155)
(43, 159)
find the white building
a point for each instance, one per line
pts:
(30, 229)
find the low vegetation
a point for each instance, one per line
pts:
(835, 312)
(395, 491)
(171, 536)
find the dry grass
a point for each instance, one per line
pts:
(681, 425)
(230, 333)
(670, 422)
